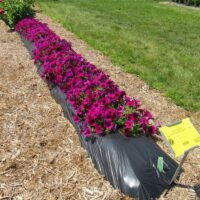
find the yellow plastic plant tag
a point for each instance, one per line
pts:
(181, 136)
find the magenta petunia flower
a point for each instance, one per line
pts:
(87, 132)
(109, 113)
(108, 124)
(1, 11)
(120, 111)
(130, 117)
(148, 115)
(143, 121)
(153, 129)
(76, 119)
(98, 129)
(129, 124)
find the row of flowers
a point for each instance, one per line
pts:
(101, 106)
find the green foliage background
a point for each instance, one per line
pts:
(15, 10)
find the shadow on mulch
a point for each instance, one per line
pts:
(197, 190)
(11, 30)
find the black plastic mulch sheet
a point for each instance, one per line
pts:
(130, 164)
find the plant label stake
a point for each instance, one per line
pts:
(181, 137)
(160, 164)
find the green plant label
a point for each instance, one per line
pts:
(160, 164)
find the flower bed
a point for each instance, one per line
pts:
(100, 105)
(128, 163)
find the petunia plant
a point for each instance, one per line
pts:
(101, 107)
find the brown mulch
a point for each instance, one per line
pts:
(40, 153)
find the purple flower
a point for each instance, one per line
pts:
(87, 132)
(130, 117)
(143, 121)
(153, 129)
(108, 124)
(148, 115)
(98, 129)
(120, 111)
(129, 124)
(109, 113)
(76, 119)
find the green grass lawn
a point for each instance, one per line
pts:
(159, 43)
